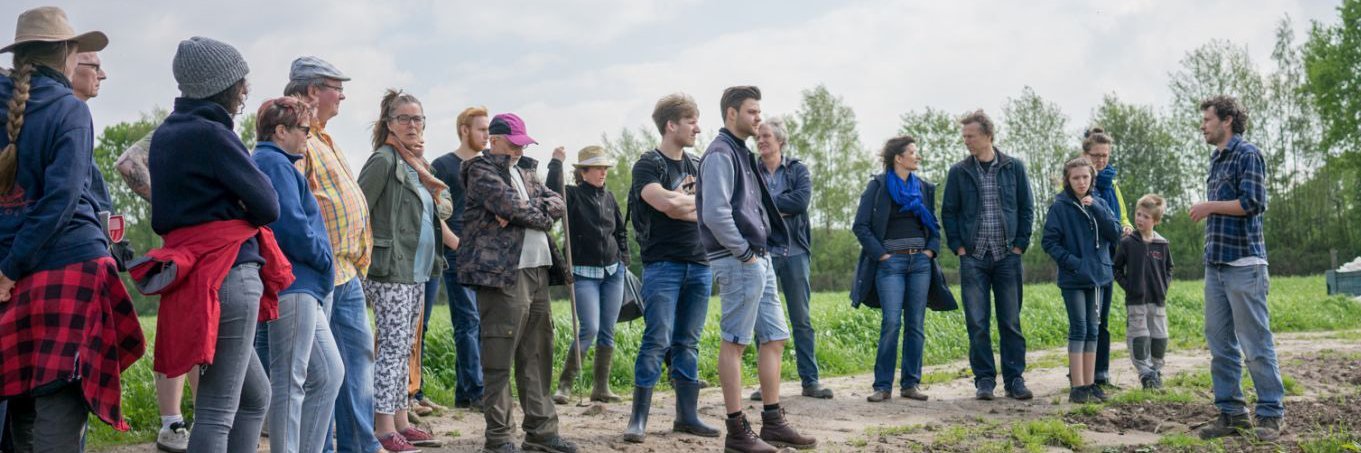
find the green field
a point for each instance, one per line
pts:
(846, 340)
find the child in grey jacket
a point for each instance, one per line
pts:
(1143, 267)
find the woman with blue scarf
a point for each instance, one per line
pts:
(897, 229)
(1096, 147)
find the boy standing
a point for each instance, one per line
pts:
(1143, 267)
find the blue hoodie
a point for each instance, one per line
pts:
(1078, 238)
(299, 230)
(49, 220)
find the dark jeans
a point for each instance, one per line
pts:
(467, 330)
(676, 301)
(903, 282)
(792, 273)
(1103, 336)
(431, 293)
(1081, 305)
(50, 423)
(986, 281)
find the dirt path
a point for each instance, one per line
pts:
(849, 423)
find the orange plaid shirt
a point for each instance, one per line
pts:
(343, 207)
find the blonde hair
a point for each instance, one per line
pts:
(1152, 204)
(465, 118)
(27, 58)
(672, 108)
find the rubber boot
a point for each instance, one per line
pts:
(600, 391)
(642, 403)
(687, 411)
(569, 374)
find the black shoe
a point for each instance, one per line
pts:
(1017, 390)
(1097, 393)
(508, 447)
(1226, 425)
(642, 403)
(553, 444)
(817, 391)
(1079, 395)
(1268, 428)
(985, 388)
(687, 412)
(1147, 382)
(756, 396)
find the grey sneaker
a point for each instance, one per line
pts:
(817, 391)
(913, 392)
(1226, 425)
(174, 439)
(879, 397)
(1268, 428)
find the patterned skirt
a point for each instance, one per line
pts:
(75, 324)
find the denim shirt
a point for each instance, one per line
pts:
(1237, 173)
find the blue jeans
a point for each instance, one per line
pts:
(676, 301)
(985, 280)
(233, 393)
(431, 294)
(354, 404)
(307, 375)
(261, 344)
(903, 282)
(598, 301)
(1238, 324)
(1103, 335)
(749, 300)
(467, 331)
(792, 272)
(1081, 305)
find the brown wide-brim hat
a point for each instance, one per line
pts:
(49, 24)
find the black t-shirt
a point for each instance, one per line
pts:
(662, 238)
(447, 169)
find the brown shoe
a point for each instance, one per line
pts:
(913, 392)
(741, 439)
(775, 430)
(879, 397)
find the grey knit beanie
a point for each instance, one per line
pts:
(205, 66)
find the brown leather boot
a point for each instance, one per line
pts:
(600, 390)
(776, 431)
(741, 439)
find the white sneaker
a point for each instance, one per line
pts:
(174, 439)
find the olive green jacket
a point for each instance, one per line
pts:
(395, 218)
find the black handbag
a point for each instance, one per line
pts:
(939, 298)
(632, 308)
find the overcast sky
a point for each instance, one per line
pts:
(575, 69)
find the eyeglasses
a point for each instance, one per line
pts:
(95, 67)
(306, 130)
(409, 120)
(340, 90)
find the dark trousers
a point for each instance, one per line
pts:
(50, 423)
(986, 281)
(517, 329)
(1103, 336)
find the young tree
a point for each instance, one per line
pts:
(1332, 61)
(823, 134)
(938, 140)
(1034, 130)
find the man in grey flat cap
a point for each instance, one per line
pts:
(345, 213)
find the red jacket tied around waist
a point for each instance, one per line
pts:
(187, 273)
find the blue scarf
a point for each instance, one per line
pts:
(909, 195)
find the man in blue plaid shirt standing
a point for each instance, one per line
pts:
(1237, 323)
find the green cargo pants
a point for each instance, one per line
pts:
(517, 328)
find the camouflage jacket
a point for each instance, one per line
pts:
(489, 254)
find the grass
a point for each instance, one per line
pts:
(1337, 439)
(846, 342)
(1051, 432)
(1179, 442)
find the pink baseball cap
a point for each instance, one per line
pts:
(511, 126)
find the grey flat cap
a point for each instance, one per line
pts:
(310, 67)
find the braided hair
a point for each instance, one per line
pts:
(27, 58)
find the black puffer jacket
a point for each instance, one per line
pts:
(599, 235)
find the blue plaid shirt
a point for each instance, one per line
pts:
(1238, 173)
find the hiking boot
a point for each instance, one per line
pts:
(600, 389)
(1158, 381)
(553, 444)
(415, 407)
(1097, 393)
(642, 403)
(1017, 390)
(569, 374)
(508, 447)
(395, 443)
(879, 397)
(756, 396)
(913, 393)
(419, 437)
(174, 438)
(741, 439)
(687, 412)
(775, 430)
(1226, 425)
(1268, 428)
(1079, 395)
(816, 390)
(984, 389)
(1147, 382)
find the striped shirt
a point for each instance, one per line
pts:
(1237, 173)
(343, 207)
